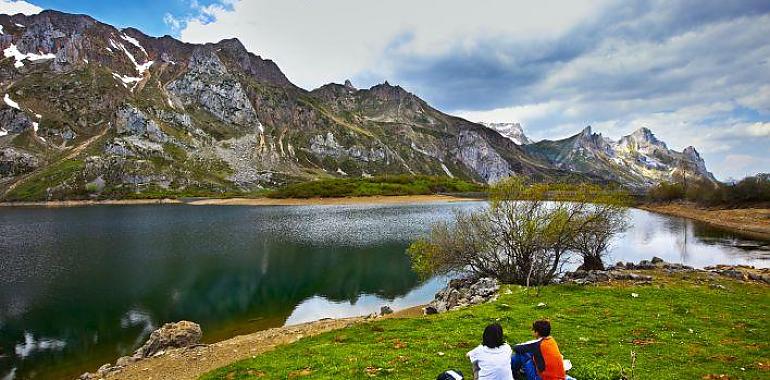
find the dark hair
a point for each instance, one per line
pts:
(493, 336)
(542, 328)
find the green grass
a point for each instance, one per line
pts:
(36, 187)
(596, 327)
(377, 185)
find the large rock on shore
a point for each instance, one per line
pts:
(171, 335)
(463, 292)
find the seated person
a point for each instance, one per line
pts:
(492, 359)
(542, 352)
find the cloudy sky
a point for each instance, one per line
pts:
(695, 72)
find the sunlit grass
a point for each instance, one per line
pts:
(678, 329)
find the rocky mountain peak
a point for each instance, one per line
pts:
(235, 55)
(511, 131)
(386, 92)
(349, 85)
(645, 135)
(691, 152)
(590, 143)
(642, 139)
(586, 132)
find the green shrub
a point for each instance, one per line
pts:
(378, 185)
(754, 189)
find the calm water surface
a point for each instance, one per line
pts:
(81, 286)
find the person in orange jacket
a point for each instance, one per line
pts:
(543, 352)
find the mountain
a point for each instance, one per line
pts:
(512, 131)
(91, 110)
(637, 160)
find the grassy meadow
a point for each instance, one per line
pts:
(683, 326)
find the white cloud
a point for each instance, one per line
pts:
(316, 42)
(172, 22)
(758, 99)
(523, 114)
(11, 7)
(759, 129)
(742, 163)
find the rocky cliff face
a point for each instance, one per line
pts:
(90, 110)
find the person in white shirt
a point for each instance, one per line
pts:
(492, 359)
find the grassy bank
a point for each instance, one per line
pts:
(377, 185)
(681, 327)
(387, 185)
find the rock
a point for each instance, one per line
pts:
(717, 286)
(171, 335)
(124, 361)
(453, 299)
(645, 264)
(385, 310)
(478, 155)
(14, 162)
(734, 273)
(618, 272)
(13, 120)
(430, 310)
(132, 121)
(485, 287)
(209, 84)
(463, 292)
(657, 260)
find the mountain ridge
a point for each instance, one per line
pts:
(95, 111)
(638, 158)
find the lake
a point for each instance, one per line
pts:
(80, 287)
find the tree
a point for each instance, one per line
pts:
(522, 237)
(596, 230)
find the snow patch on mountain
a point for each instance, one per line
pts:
(19, 57)
(133, 41)
(7, 99)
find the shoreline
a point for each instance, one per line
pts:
(190, 363)
(754, 222)
(377, 199)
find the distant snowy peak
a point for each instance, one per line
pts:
(512, 131)
(638, 160)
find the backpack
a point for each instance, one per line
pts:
(452, 374)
